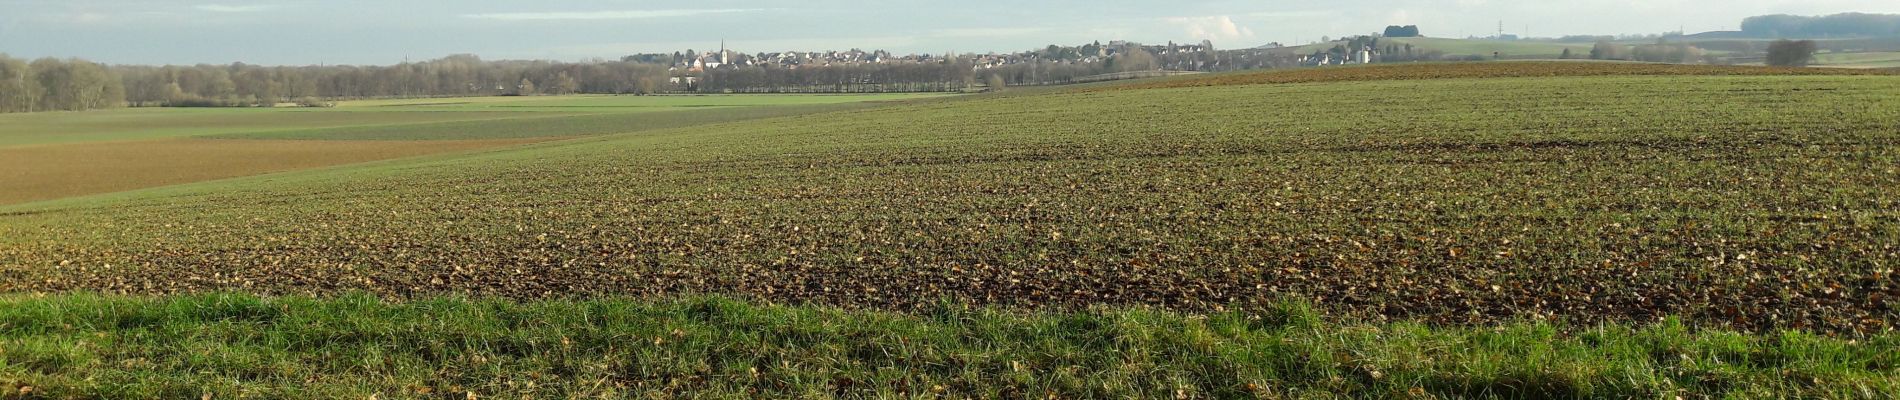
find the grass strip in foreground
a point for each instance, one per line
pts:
(229, 346)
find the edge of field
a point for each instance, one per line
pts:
(229, 345)
(356, 346)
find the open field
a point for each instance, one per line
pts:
(226, 346)
(1531, 230)
(553, 125)
(1848, 45)
(1858, 60)
(51, 172)
(1608, 198)
(617, 103)
(1508, 48)
(53, 128)
(161, 123)
(54, 155)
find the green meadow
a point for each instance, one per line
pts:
(161, 123)
(46, 156)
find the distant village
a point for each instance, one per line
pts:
(694, 62)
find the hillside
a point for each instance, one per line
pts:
(46, 156)
(1518, 49)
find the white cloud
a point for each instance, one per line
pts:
(232, 9)
(601, 15)
(1215, 28)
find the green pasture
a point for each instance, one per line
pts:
(354, 118)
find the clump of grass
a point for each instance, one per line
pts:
(356, 346)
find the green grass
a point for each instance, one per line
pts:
(505, 103)
(1858, 60)
(232, 346)
(54, 128)
(472, 118)
(556, 125)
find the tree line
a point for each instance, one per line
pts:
(1396, 31)
(72, 84)
(1662, 51)
(1837, 25)
(239, 84)
(50, 84)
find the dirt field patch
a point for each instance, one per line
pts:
(50, 172)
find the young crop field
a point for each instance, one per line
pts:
(1448, 200)
(1457, 230)
(54, 128)
(616, 103)
(51, 172)
(1858, 60)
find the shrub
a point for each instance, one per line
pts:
(1791, 53)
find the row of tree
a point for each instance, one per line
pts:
(50, 84)
(1784, 53)
(459, 75)
(1395, 31)
(1661, 51)
(1837, 25)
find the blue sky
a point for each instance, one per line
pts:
(384, 32)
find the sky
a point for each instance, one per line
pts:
(302, 32)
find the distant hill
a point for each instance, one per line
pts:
(1844, 25)
(1716, 35)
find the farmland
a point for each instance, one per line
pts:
(1487, 48)
(1502, 229)
(53, 155)
(1858, 60)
